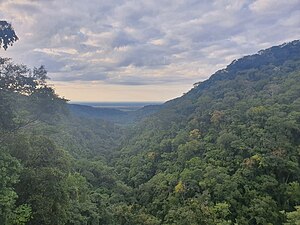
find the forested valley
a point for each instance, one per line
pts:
(226, 152)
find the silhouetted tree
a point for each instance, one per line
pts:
(7, 35)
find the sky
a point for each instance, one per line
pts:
(154, 50)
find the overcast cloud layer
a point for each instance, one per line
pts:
(144, 42)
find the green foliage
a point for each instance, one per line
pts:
(179, 188)
(43, 180)
(22, 215)
(293, 218)
(10, 214)
(25, 98)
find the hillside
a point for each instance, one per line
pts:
(225, 152)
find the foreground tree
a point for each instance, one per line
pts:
(21, 87)
(26, 99)
(10, 214)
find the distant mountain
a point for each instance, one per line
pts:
(89, 111)
(113, 115)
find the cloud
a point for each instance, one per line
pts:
(271, 6)
(144, 42)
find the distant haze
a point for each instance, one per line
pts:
(142, 50)
(123, 106)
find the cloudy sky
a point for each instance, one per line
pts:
(154, 50)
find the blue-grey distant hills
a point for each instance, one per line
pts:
(113, 114)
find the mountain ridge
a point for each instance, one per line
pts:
(291, 50)
(274, 55)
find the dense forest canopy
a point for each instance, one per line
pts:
(227, 152)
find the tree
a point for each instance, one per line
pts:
(25, 90)
(43, 180)
(7, 35)
(9, 175)
(25, 96)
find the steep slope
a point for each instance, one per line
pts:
(227, 151)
